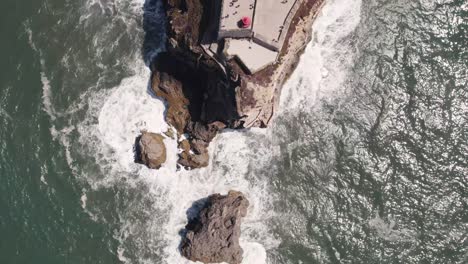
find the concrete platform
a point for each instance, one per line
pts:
(252, 55)
(258, 46)
(271, 21)
(231, 13)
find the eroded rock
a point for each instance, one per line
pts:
(213, 235)
(170, 89)
(206, 92)
(150, 150)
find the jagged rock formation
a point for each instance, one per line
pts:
(206, 94)
(213, 236)
(150, 150)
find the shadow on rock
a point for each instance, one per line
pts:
(192, 219)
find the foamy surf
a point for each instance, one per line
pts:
(116, 116)
(229, 169)
(121, 113)
(326, 61)
(128, 110)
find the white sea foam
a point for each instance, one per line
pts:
(122, 114)
(113, 120)
(84, 199)
(129, 109)
(5, 114)
(388, 231)
(325, 63)
(43, 173)
(47, 95)
(230, 169)
(116, 116)
(46, 88)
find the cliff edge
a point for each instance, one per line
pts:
(215, 75)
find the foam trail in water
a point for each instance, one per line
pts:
(47, 96)
(324, 65)
(46, 88)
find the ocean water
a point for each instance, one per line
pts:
(366, 162)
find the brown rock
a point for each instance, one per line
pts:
(194, 153)
(202, 131)
(205, 93)
(151, 150)
(170, 89)
(219, 125)
(213, 235)
(184, 145)
(199, 146)
(169, 133)
(189, 160)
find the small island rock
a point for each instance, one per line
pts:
(151, 150)
(213, 236)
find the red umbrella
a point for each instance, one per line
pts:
(246, 22)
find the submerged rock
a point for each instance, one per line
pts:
(213, 236)
(151, 150)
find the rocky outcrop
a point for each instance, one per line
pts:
(206, 93)
(213, 236)
(150, 150)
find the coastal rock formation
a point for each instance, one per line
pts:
(213, 236)
(206, 91)
(150, 150)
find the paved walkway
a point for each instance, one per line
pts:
(253, 56)
(256, 46)
(271, 21)
(231, 13)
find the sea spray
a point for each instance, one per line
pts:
(122, 112)
(327, 59)
(153, 209)
(129, 108)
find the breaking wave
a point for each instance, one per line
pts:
(365, 161)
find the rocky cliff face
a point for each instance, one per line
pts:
(205, 95)
(213, 236)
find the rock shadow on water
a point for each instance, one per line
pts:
(192, 219)
(137, 151)
(213, 230)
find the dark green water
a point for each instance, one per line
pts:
(367, 161)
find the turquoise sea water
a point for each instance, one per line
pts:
(366, 162)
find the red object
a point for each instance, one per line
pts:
(246, 22)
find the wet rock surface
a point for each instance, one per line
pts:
(150, 150)
(213, 234)
(205, 94)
